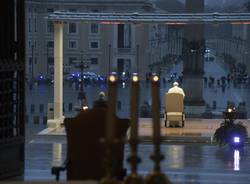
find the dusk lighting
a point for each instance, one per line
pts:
(125, 91)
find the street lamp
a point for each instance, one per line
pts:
(82, 64)
(32, 62)
(47, 59)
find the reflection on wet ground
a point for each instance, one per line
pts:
(190, 163)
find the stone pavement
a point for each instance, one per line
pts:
(194, 131)
(190, 157)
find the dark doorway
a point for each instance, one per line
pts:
(124, 67)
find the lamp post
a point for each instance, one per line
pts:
(82, 64)
(47, 59)
(32, 62)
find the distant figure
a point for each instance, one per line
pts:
(176, 89)
(101, 102)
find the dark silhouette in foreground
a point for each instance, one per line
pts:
(229, 132)
(85, 150)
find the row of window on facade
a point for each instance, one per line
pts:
(124, 33)
(72, 27)
(123, 38)
(71, 60)
(32, 14)
(72, 44)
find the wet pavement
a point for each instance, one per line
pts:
(199, 163)
(184, 163)
(194, 131)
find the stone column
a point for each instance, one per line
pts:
(58, 76)
(193, 62)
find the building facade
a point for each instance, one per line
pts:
(165, 46)
(103, 47)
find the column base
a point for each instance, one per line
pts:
(194, 111)
(55, 123)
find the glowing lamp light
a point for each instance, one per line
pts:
(155, 78)
(135, 78)
(231, 109)
(236, 140)
(112, 78)
(85, 107)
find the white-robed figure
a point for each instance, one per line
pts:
(176, 89)
(174, 107)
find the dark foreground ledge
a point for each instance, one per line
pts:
(49, 182)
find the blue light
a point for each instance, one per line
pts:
(236, 160)
(236, 140)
